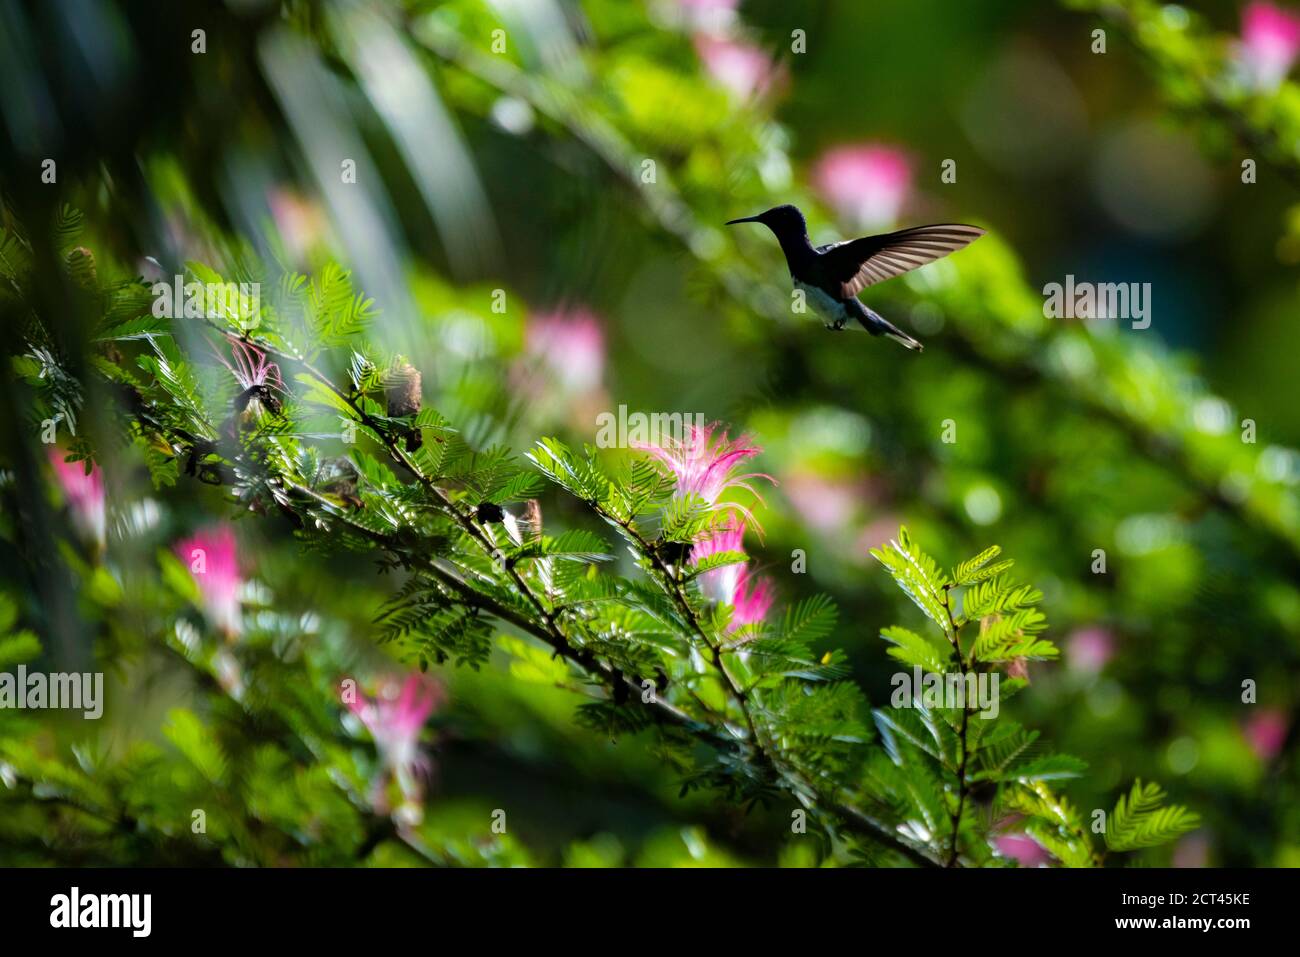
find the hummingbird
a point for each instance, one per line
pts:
(831, 276)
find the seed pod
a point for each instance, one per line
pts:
(533, 518)
(82, 269)
(402, 387)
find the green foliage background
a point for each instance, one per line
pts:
(1071, 437)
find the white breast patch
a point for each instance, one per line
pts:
(832, 310)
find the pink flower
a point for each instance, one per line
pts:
(251, 368)
(1088, 649)
(749, 595)
(1023, 849)
(825, 504)
(879, 532)
(1266, 733)
(299, 221)
(571, 345)
(751, 599)
(705, 465)
(720, 584)
(866, 184)
(743, 69)
(395, 719)
(706, 468)
(1270, 41)
(83, 491)
(211, 556)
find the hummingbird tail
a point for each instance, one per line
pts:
(878, 325)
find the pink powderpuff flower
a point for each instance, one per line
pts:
(299, 221)
(749, 595)
(705, 463)
(1018, 668)
(1270, 42)
(719, 584)
(826, 504)
(751, 599)
(1088, 649)
(256, 374)
(1266, 733)
(743, 69)
(84, 492)
(395, 717)
(212, 558)
(1022, 849)
(866, 184)
(571, 345)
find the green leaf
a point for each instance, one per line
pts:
(1051, 821)
(317, 393)
(917, 574)
(1050, 767)
(17, 648)
(715, 561)
(532, 664)
(141, 327)
(68, 225)
(810, 620)
(575, 545)
(196, 742)
(998, 595)
(1140, 821)
(374, 471)
(915, 651)
(8, 612)
(580, 477)
(964, 574)
(1005, 637)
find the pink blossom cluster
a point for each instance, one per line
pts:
(212, 558)
(570, 344)
(395, 718)
(706, 464)
(1270, 43)
(750, 595)
(83, 491)
(743, 69)
(867, 184)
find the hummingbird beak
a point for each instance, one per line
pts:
(747, 219)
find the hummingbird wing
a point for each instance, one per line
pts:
(859, 263)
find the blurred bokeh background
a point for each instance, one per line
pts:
(533, 192)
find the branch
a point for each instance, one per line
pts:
(547, 629)
(954, 636)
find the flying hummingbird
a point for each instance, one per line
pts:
(831, 276)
